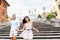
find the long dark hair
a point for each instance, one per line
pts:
(24, 20)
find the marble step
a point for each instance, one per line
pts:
(34, 32)
(32, 39)
(37, 34)
(35, 37)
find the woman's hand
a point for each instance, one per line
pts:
(21, 30)
(17, 29)
(37, 30)
(34, 28)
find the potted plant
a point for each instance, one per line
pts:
(49, 16)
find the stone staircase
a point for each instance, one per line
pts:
(46, 32)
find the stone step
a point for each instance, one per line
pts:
(37, 34)
(34, 32)
(41, 33)
(46, 32)
(32, 39)
(40, 28)
(35, 37)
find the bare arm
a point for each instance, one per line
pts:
(22, 28)
(34, 28)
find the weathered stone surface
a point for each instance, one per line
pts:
(55, 22)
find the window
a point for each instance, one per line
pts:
(55, 0)
(56, 13)
(59, 6)
(0, 1)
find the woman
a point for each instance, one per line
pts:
(27, 33)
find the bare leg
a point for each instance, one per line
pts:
(14, 38)
(30, 39)
(25, 39)
(11, 38)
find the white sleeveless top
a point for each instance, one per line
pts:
(27, 33)
(28, 25)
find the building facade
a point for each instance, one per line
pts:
(57, 8)
(3, 10)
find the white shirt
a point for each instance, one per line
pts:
(14, 24)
